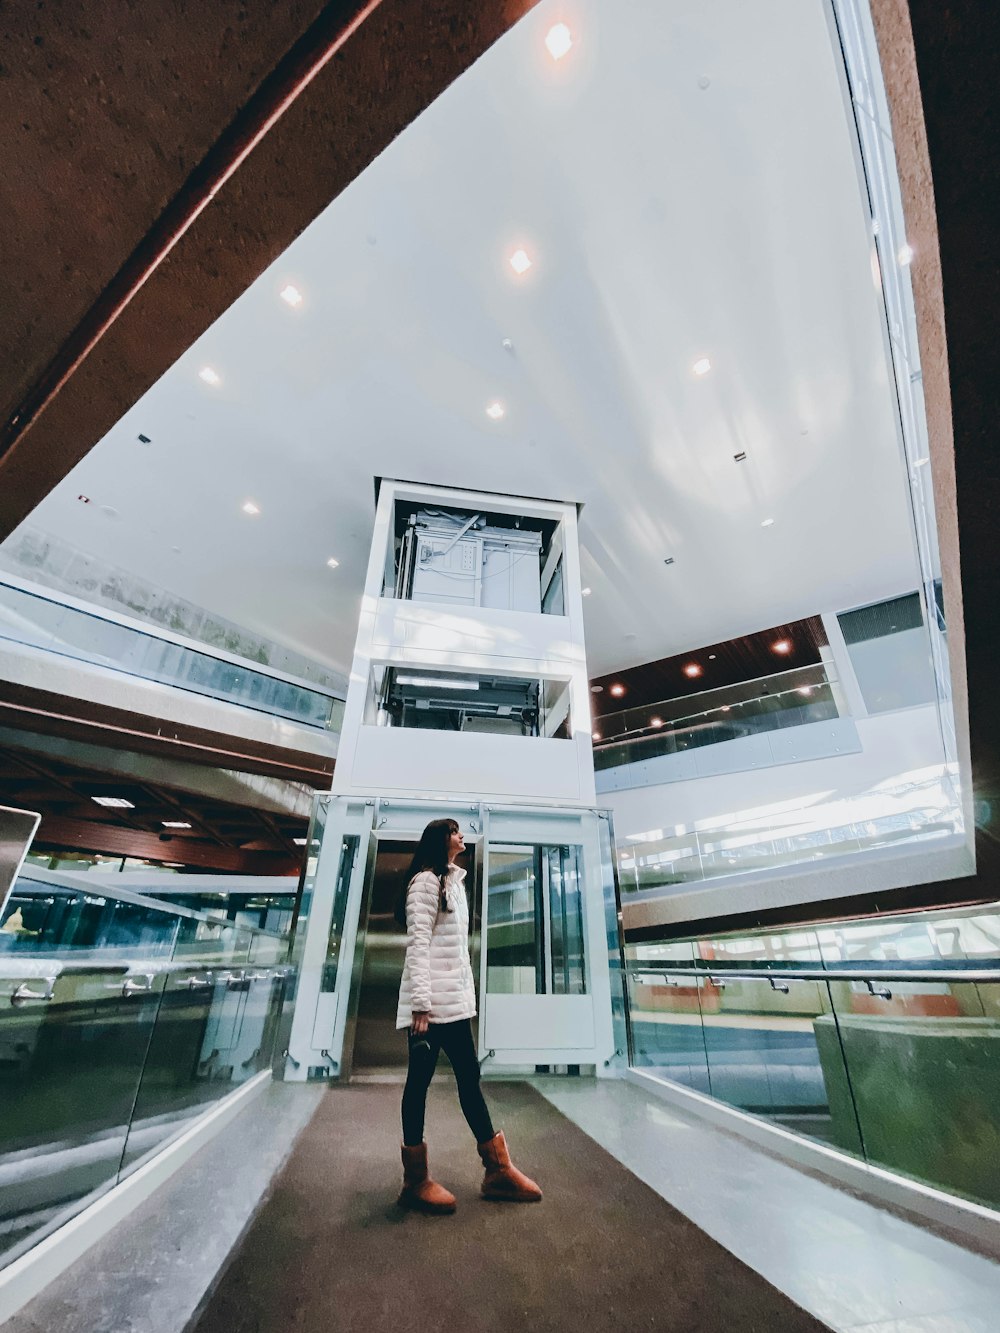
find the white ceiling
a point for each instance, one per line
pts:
(667, 221)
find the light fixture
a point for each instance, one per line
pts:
(584, 592)
(439, 682)
(617, 691)
(174, 823)
(725, 708)
(291, 295)
(767, 523)
(520, 262)
(209, 375)
(558, 40)
(782, 646)
(596, 735)
(711, 657)
(656, 721)
(250, 508)
(905, 255)
(597, 689)
(333, 563)
(805, 689)
(692, 669)
(495, 411)
(114, 802)
(702, 366)
(300, 842)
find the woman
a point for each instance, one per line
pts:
(437, 1001)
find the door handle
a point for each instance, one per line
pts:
(196, 983)
(132, 987)
(883, 992)
(24, 994)
(780, 986)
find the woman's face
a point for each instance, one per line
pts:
(456, 844)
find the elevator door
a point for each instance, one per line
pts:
(377, 1044)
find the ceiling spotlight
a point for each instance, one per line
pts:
(782, 646)
(596, 735)
(495, 411)
(584, 592)
(617, 691)
(333, 563)
(711, 657)
(250, 508)
(300, 842)
(656, 721)
(725, 708)
(558, 40)
(520, 262)
(597, 689)
(114, 802)
(905, 255)
(767, 523)
(174, 823)
(805, 689)
(209, 375)
(292, 295)
(692, 669)
(702, 366)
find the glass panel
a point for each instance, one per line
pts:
(566, 920)
(925, 1078)
(515, 945)
(348, 857)
(72, 1043)
(665, 1014)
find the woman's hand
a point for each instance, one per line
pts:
(420, 1024)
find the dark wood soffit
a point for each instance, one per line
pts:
(55, 715)
(57, 834)
(399, 61)
(746, 658)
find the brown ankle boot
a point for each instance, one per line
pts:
(419, 1191)
(502, 1180)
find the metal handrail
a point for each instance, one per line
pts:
(835, 973)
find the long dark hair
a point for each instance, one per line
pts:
(431, 853)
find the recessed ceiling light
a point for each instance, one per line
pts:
(805, 689)
(692, 669)
(558, 40)
(767, 523)
(333, 563)
(300, 842)
(617, 690)
(520, 262)
(711, 657)
(209, 375)
(174, 823)
(596, 735)
(702, 366)
(597, 689)
(495, 411)
(114, 802)
(905, 255)
(725, 708)
(250, 508)
(656, 721)
(291, 295)
(584, 592)
(782, 646)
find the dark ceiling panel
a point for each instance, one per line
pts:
(747, 658)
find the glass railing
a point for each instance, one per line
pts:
(122, 1019)
(878, 1038)
(917, 807)
(39, 620)
(787, 699)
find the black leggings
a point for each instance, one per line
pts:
(455, 1039)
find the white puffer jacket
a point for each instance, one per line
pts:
(437, 975)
